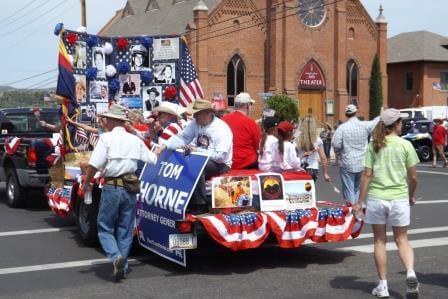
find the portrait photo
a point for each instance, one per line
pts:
(139, 58)
(152, 97)
(165, 73)
(99, 61)
(130, 85)
(80, 55)
(232, 192)
(99, 91)
(80, 88)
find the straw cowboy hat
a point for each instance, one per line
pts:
(170, 108)
(200, 105)
(117, 112)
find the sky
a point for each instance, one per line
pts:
(29, 47)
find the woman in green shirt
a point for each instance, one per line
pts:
(389, 182)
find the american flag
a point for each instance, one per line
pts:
(189, 89)
(93, 139)
(59, 200)
(81, 136)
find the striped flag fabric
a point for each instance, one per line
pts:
(93, 139)
(189, 88)
(81, 136)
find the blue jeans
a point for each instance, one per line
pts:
(327, 149)
(116, 218)
(351, 182)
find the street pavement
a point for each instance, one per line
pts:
(42, 257)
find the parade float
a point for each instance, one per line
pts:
(247, 206)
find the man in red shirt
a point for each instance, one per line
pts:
(246, 133)
(438, 142)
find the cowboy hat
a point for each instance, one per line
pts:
(200, 105)
(116, 112)
(154, 90)
(170, 108)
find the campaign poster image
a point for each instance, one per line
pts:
(232, 192)
(300, 195)
(271, 191)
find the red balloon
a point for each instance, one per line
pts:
(122, 43)
(170, 93)
(72, 38)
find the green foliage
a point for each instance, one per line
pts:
(285, 107)
(376, 89)
(18, 98)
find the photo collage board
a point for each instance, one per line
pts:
(141, 69)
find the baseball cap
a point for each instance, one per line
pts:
(285, 126)
(244, 98)
(390, 116)
(270, 122)
(351, 109)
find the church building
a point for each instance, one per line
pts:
(319, 52)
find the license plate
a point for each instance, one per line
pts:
(183, 241)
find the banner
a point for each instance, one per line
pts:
(166, 189)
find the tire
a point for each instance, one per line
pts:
(86, 222)
(15, 194)
(425, 153)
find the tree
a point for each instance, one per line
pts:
(285, 107)
(376, 89)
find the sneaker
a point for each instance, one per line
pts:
(380, 292)
(412, 287)
(119, 268)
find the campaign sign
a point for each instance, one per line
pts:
(166, 189)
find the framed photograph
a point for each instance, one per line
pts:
(131, 102)
(271, 192)
(99, 91)
(80, 89)
(80, 55)
(300, 194)
(166, 48)
(88, 113)
(102, 107)
(130, 85)
(99, 61)
(139, 58)
(151, 97)
(164, 73)
(232, 192)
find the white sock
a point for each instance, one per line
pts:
(383, 283)
(411, 273)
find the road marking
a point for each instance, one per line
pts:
(432, 172)
(410, 232)
(56, 266)
(390, 246)
(36, 231)
(424, 202)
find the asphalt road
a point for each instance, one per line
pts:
(42, 257)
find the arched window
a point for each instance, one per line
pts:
(236, 78)
(352, 81)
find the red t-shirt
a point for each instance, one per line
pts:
(246, 139)
(439, 135)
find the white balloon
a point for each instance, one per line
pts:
(108, 48)
(111, 70)
(82, 29)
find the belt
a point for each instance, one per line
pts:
(117, 182)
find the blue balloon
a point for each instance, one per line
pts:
(58, 28)
(146, 76)
(124, 67)
(114, 86)
(91, 73)
(93, 40)
(146, 41)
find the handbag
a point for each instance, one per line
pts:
(131, 183)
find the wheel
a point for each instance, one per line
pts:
(15, 194)
(86, 217)
(425, 153)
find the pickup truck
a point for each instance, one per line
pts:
(24, 147)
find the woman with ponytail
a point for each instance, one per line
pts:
(389, 182)
(270, 148)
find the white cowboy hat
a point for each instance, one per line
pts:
(170, 108)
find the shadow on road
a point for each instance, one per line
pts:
(354, 283)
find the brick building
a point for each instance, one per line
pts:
(418, 62)
(319, 52)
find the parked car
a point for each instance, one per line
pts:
(24, 147)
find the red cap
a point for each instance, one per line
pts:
(285, 126)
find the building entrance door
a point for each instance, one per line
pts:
(311, 102)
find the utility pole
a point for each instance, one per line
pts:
(83, 13)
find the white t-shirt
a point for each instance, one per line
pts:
(216, 140)
(290, 159)
(313, 159)
(270, 161)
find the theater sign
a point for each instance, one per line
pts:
(311, 77)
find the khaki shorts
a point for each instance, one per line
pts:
(395, 213)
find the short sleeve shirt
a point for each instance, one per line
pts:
(390, 165)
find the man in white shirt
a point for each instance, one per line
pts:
(350, 145)
(116, 155)
(207, 134)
